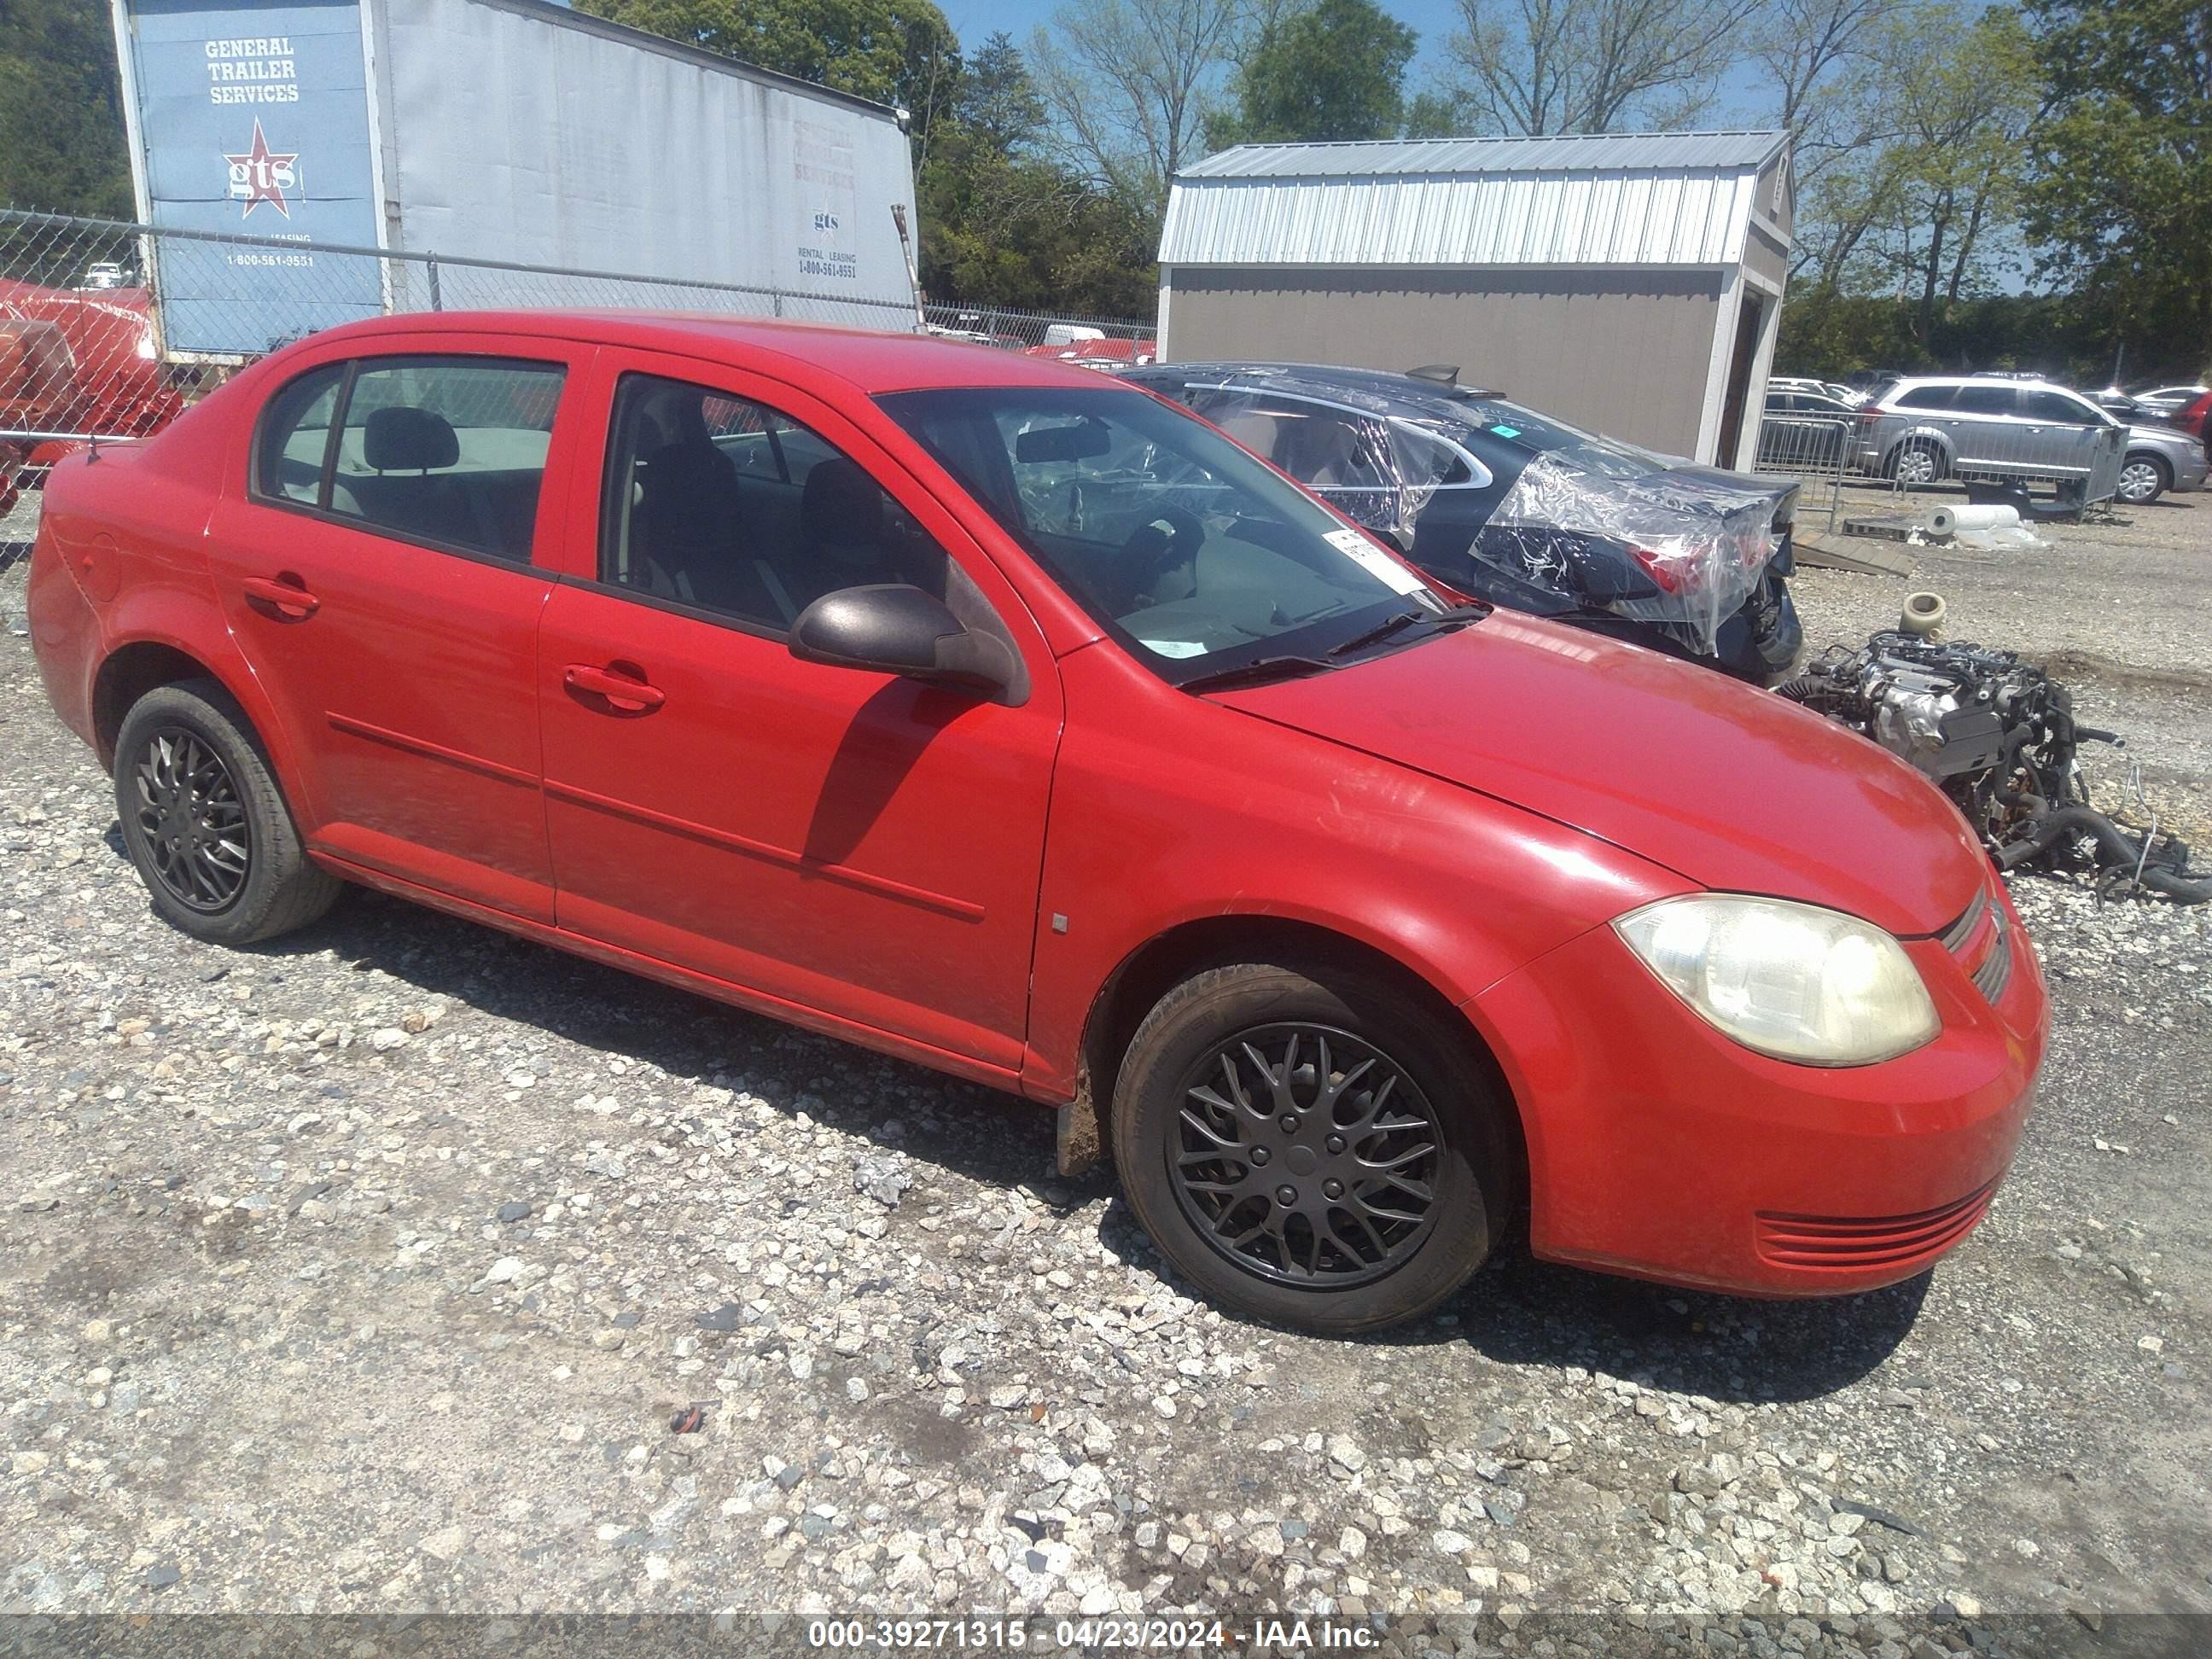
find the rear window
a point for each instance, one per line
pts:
(1542, 434)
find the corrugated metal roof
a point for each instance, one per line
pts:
(1605, 152)
(1644, 199)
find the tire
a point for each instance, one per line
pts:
(1914, 462)
(205, 823)
(2144, 479)
(1174, 1104)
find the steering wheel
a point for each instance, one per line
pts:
(1170, 538)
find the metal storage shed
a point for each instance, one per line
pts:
(1630, 283)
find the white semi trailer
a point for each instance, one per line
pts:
(510, 131)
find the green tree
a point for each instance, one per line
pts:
(895, 52)
(1547, 66)
(1920, 189)
(61, 110)
(1004, 225)
(1964, 118)
(2121, 194)
(1332, 69)
(997, 101)
(1129, 83)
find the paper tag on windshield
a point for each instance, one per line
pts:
(1173, 647)
(1376, 563)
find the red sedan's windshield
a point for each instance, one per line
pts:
(1184, 546)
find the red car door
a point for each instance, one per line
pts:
(375, 563)
(837, 842)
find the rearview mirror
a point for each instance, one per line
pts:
(1079, 442)
(895, 629)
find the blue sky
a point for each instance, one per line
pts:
(1434, 20)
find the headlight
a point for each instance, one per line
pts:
(1792, 980)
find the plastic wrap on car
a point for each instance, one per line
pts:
(1702, 549)
(1703, 546)
(1395, 485)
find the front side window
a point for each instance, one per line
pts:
(1323, 448)
(1173, 537)
(2057, 408)
(724, 504)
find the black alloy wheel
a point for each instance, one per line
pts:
(205, 822)
(198, 843)
(1306, 1155)
(1324, 1146)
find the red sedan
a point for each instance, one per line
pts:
(1002, 717)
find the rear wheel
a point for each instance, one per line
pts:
(205, 823)
(1307, 1148)
(1914, 463)
(2143, 479)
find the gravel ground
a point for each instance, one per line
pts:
(390, 1269)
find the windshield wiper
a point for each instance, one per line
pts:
(1258, 669)
(1382, 631)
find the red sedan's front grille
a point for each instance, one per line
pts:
(1857, 1243)
(1982, 945)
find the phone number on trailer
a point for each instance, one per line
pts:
(1150, 1634)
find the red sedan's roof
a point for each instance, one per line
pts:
(870, 359)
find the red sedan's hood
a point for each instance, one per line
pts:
(1733, 787)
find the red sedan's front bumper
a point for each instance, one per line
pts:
(1659, 1147)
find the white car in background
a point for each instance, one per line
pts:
(2163, 400)
(1835, 389)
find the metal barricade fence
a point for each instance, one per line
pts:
(106, 327)
(1816, 450)
(2078, 463)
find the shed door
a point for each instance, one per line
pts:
(1738, 376)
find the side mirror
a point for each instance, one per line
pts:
(895, 629)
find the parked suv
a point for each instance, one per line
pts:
(1922, 428)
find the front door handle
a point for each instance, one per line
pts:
(625, 692)
(288, 600)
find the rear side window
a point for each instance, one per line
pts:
(1928, 397)
(294, 440)
(1987, 400)
(449, 451)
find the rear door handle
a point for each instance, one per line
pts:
(623, 692)
(289, 599)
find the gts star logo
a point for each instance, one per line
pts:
(262, 175)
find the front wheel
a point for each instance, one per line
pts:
(2143, 479)
(205, 823)
(1308, 1147)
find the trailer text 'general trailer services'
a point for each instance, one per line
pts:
(507, 129)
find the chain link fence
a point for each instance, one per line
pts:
(107, 329)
